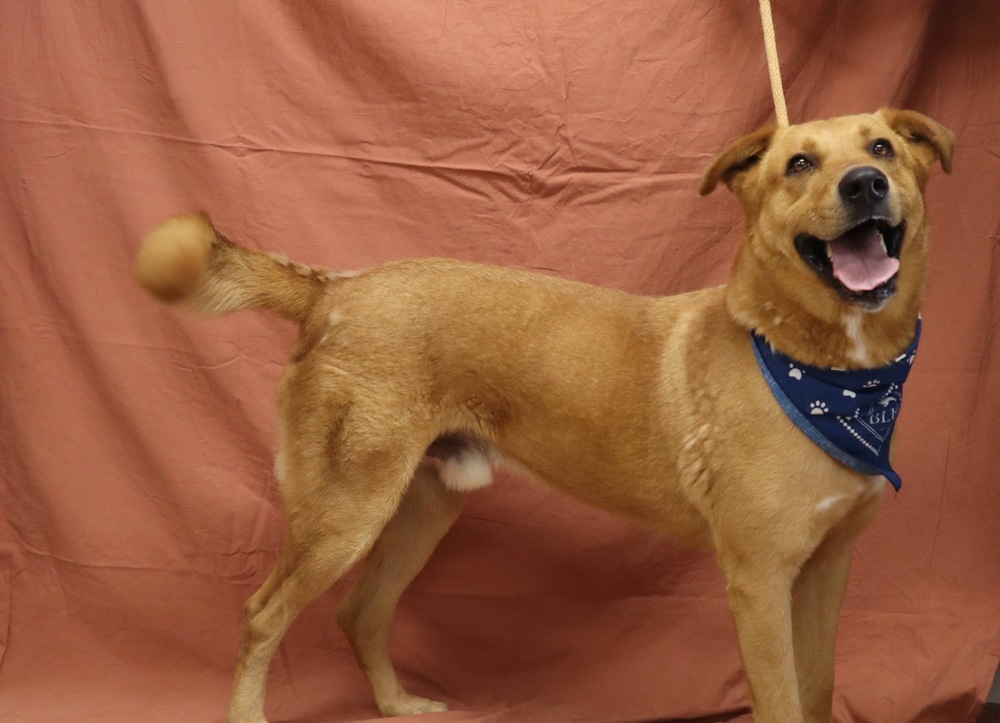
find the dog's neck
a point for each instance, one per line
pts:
(833, 334)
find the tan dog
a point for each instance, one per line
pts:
(411, 380)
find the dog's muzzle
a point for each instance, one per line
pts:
(862, 263)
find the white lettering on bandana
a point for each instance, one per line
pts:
(850, 414)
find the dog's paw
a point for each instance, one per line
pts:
(407, 704)
(818, 407)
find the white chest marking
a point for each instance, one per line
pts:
(858, 350)
(826, 504)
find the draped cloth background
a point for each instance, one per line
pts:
(564, 136)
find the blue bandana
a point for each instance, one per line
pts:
(849, 414)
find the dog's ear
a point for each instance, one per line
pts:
(730, 165)
(927, 139)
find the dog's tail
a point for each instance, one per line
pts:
(185, 261)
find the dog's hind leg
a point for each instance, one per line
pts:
(334, 517)
(425, 515)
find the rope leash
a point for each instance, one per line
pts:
(771, 49)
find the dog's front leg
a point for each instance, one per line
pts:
(816, 599)
(760, 600)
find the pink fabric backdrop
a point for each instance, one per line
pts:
(566, 136)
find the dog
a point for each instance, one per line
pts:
(411, 381)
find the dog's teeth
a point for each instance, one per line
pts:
(881, 240)
(829, 253)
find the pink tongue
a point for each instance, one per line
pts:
(859, 262)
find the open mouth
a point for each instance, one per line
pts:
(861, 264)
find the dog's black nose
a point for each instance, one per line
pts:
(864, 186)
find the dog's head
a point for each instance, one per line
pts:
(834, 208)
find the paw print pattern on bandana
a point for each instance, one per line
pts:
(849, 413)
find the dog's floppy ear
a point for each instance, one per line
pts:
(928, 140)
(741, 156)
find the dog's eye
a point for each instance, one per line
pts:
(799, 163)
(882, 147)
